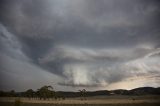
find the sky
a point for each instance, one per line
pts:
(75, 44)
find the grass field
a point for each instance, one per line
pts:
(149, 100)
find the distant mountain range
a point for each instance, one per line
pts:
(136, 91)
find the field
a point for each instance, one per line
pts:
(150, 100)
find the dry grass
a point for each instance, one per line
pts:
(92, 101)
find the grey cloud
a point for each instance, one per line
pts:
(17, 70)
(104, 73)
(79, 85)
(91, 54)
(43, 20)
(104, 41)
(10, 45)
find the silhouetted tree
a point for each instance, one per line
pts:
(82, 94)
(30, 93)
(45, 92)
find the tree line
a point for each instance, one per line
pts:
(47, 92)
(43, 93)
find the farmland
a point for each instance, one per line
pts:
(119, 100)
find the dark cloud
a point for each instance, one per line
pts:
(104, 42)
(79, 85)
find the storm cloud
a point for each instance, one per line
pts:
(97, 44)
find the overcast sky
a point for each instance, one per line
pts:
(74, 44)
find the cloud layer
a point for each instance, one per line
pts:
(105, 44)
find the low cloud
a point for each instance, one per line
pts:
(92, 67)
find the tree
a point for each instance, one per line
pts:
(45, 92)
(82, 94)
(30, 93)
